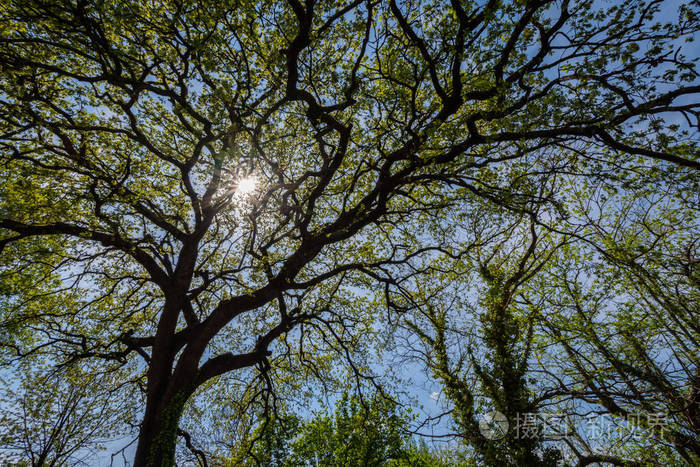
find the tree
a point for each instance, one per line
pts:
(60, 418)
(200, 185)
(370, 431)
(581, 315)
(623, 311)
(482, 350)
(360, 432)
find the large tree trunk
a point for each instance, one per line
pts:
(158, 433)
(166, 396)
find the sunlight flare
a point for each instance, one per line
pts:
(247, 185)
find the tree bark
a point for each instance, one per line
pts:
(158, 433)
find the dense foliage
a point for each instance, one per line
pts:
(360, 432)
(212, 209)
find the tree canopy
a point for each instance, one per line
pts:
(232, 203)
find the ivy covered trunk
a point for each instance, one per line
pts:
(158, 434)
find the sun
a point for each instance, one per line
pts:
(246, 185)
